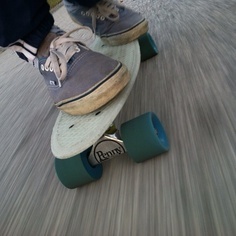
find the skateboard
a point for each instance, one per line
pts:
(81, 143)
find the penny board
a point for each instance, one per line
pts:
(72, 135)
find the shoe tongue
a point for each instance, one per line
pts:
(43, 50)
(68, 50)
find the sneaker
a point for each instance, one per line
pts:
(80, 80)
(113, 22)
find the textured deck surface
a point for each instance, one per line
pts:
(191, 190)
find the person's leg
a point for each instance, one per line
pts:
(86, 3)
(113, 22)
(66, 67)
(25, 24)
(27, 20)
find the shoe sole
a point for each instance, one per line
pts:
(99, 97)
(128, 36)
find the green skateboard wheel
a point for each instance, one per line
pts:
(76, 171)
(148, 47)
(144, 137)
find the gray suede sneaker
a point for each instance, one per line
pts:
(113, 22)
(78, 79)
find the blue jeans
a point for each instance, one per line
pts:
(29, 20)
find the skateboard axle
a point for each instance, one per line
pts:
(106, 148)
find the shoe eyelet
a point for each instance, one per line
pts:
(42, 67)
(87, 14)
(82, 13)
(102, 18)
(46, 68)
(77, 49)
(51, 69)
(51, 82)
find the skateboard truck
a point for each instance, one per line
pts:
(107, 147)
(142, 138)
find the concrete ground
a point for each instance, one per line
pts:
(188, 191)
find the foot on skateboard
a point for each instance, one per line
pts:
(76, 139)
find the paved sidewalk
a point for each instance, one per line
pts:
(188, 191)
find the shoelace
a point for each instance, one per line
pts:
(63, 48)
(105, 9)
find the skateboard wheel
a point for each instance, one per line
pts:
(144, 137)
(148, 47)
(77, 171)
